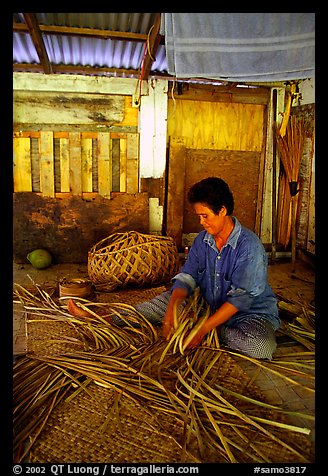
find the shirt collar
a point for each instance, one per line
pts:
(232, 238)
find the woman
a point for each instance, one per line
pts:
(229, 265)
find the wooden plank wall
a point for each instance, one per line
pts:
(51, 162)
(75, 146)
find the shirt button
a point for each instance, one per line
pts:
(219, 257)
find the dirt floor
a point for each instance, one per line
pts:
(297, 286)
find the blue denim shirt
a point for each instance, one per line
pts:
(236, 274)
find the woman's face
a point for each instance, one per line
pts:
(211, 222)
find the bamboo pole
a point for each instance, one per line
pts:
(294, 199)
(274, 178)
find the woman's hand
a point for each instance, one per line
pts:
(168, 325)
(178, 295)
(217, 319)
(197, 339)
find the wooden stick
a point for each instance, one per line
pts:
(294, 198)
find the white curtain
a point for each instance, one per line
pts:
(240, 46)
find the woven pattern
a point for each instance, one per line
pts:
(107, 425)
(89, 429)
(132, 258)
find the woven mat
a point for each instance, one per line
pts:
(89, 429)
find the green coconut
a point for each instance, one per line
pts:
(39, 258)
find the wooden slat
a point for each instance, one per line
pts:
(259, 201)
(104, 164)
(60, 135)
(123, 165)
(75, 163)
(27, 134)
(115, 149)
(89, 135)
(69, 109)
(22, 165)
(47, 178)
(86, 145)
(176, 190)
(118, 135)
(132, 168)
(64, 165)
(228, 94)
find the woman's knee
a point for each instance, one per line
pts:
(257, 340)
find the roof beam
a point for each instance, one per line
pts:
(36, 35)
(91, 32)
(76, 69)
(152, 45)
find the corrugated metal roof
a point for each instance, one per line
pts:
(89, 51)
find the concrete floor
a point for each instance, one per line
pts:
(297, 287)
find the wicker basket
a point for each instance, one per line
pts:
(132, 258)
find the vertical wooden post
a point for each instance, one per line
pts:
(104, 164)
(132, 156)
(75, 163)
(47, 176)
(176, 190)
(22, 164)
(123, 165)
(274, 177)
(64, 164)
(86, 153)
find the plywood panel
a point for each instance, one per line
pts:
(216, 125)
(188, 166)
(22, 165)
(239, 169)
(47, 179)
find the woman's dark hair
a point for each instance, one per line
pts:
(214, 192)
